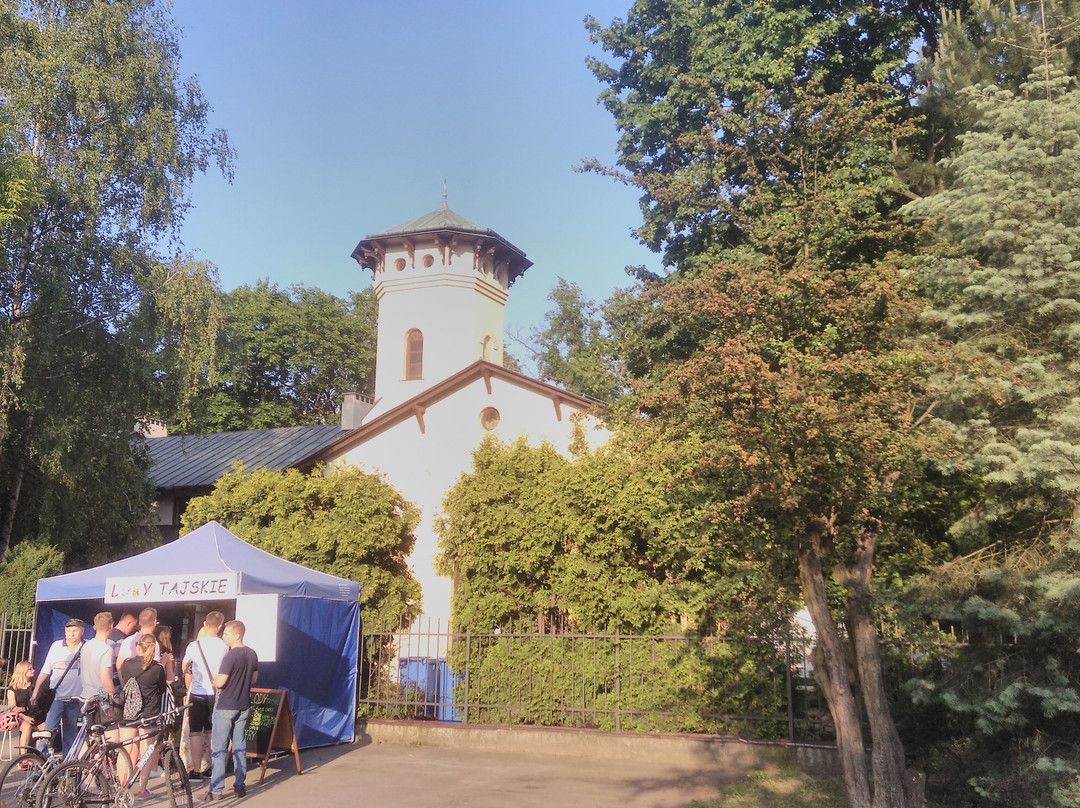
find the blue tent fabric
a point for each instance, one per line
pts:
(318, 621)
(210, 548)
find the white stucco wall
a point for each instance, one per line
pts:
(423, 466)
(451, 303)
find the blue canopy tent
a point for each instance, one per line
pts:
(315, 636)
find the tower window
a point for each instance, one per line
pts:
(414, 355)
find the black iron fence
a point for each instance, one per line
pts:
(16, 634)
(753, 687)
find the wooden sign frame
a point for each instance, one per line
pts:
(282, 734)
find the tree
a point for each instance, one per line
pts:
(610, 540)
(92, 96)
(781, 341)
(1008, 291)
(20, 571)
(346, 523)
(687, 72)
(287, 357)
(574, 350)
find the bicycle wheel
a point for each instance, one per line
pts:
(75, 784)
(176, 780)
(21, 780)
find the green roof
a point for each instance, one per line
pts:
(441, 219)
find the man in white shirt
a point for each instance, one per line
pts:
(61, 668)
(202, 661)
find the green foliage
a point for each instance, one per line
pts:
(625, 683)
(105, 137)
(574, 350)
(684, 81)
(1005, 705)
(616, 539)
(344, 522)
(1012, 294)
(284, 358)
(20, 571)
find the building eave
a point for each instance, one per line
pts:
(481, 369)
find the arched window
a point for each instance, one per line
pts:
(414, 355)
(488, 349)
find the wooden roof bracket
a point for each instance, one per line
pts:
(419, 412)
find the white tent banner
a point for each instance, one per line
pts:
(162, 588)
(259, 614)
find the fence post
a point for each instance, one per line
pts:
(618, 685)
(790, 690)
(468, 656)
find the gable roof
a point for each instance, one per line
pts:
(208, 549)
(199, 461)
(415, 406)
(194, 461)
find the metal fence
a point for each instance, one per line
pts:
(16, 634)
(753, 687)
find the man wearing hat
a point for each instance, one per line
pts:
(61, 668)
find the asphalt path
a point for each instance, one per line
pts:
(391, 776)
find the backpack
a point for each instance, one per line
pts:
(132, 699)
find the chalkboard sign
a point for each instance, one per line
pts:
(270, 727)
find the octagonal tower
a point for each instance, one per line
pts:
(442, 283)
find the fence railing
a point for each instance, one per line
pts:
(16, 634)
(753, 687)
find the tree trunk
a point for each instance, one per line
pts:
(893, 787)
(833, 677)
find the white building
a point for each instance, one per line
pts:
(442, 284)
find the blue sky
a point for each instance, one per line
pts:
(347, 118)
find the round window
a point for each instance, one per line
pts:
(489, 418)
(428, 261)
(399, 264)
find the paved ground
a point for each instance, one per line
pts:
(390, 776)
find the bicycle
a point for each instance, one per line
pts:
(22, 778)
(107, 777)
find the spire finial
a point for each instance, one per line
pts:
(444, 194)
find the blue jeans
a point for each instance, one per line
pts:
(228, 725)
(64, 715)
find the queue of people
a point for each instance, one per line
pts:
(218, 672)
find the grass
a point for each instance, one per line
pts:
(783, 788)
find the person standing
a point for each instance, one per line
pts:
(121, 631)
(147, 622)
(202, 661)
(152, 681)
(232, 709)
(96, 665)
(61, 668)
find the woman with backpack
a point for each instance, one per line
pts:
(150, 683)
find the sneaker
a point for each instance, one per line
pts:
(191, 775)
(143, 795)
(240, 791)
(209, 796)
(156, 773)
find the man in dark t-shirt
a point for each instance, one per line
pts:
(232, 708)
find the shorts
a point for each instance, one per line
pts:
(200, 710)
